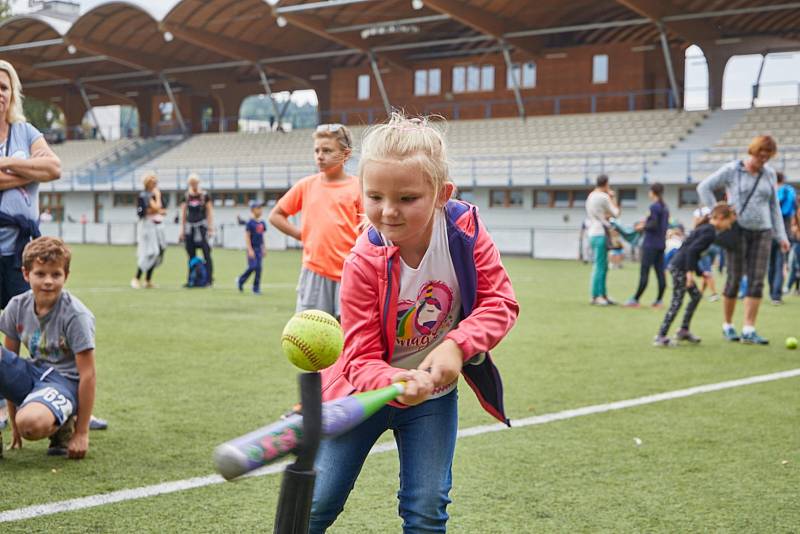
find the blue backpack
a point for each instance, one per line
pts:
(198, 273)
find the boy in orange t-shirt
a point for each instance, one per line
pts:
(331, 204)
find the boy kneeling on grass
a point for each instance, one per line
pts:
(46, 391)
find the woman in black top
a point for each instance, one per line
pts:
(683, 267)
(197, 222)
(655, 232)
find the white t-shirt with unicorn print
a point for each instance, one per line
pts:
(429, 303)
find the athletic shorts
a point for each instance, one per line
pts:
(315, 292)
(705, 263)
(23, 381)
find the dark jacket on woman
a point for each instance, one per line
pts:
(655, 228)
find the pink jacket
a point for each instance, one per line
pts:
(369, 294)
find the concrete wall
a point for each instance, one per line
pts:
(544, 232)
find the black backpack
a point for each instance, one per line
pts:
(141, 206)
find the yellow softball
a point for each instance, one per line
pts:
(312, 340)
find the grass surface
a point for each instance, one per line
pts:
(180, 371)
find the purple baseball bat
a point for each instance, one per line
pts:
(272, 442)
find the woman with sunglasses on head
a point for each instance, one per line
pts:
(330, 202)
(25, 161)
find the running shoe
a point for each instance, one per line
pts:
(632, 303)
(96, 423)
(753, 339)
(684, 335)
(663, 341)
(730, 334)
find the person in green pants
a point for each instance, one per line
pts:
(601, 205)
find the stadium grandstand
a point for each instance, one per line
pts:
(538, 98)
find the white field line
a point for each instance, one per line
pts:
(198, 482)
(175, 289)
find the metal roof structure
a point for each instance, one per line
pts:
(118, 51)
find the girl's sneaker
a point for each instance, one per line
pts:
(684, 335)
(657, 305)
(135, 284)
(632, 303)
(663, 341)
(714, 297)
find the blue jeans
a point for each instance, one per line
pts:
(253, 266)
(426, 440)
(12, 283)
(794, 266)
(775, 272)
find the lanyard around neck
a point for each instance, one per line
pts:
(8, 138)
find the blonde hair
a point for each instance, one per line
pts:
(149, 179)
(46, 250)
(762, 142)
(193, 178)
(410, 140)
(338, 132)
(14, 112)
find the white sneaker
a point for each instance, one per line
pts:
(135, 284)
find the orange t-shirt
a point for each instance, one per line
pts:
(330, 222)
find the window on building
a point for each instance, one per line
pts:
(627, 198)
(272, 197)
(561, 199)
(528, 79)
(229, 199)
(505, 198)
(467, 195)
(125, 199)
(459, 79)
(473, 78)
(487, 78)
(427, 82)
(579, 198)
(542, 199)
(52, 202)
(600, 68)
(363, 87)
(687, 196)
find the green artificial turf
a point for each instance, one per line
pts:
(180, 371)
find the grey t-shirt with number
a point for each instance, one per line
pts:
(19, 200)
(54, 339)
